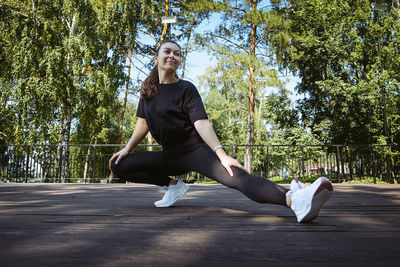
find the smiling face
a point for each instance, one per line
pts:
(168, 57)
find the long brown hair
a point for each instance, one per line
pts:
(150, 85)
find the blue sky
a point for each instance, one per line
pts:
(198, 62)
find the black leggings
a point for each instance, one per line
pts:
(155, 167)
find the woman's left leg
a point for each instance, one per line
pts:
(305, 202)
(203, 160)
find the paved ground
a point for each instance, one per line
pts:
(117, 225)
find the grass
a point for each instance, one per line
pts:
(309, 179)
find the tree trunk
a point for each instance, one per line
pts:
(251, 96)
(58, 163)
(165, 25)
(63, 150)
(35, 23)
(63, 171)
(186, 51)
(66, 173)
(86, 167)
(342, 167)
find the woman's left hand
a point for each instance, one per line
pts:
(229, 162)
(206, 131)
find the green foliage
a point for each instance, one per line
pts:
(333, 47)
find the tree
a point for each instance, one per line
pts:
(61, 64)
(241, 68)
(333, 47)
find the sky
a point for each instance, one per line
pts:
(198, 62)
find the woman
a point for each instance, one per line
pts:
(172, 110)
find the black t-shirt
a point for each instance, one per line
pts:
(171, 113)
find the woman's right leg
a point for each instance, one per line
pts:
(143, 167)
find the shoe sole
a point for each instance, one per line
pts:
(321, 195)
(166, 205)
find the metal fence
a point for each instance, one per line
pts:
(88, 163)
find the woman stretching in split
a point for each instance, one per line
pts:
(172, 110)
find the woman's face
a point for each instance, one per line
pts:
(169, 57)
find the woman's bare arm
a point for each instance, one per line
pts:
(206, 131)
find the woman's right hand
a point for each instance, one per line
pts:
(119, 155)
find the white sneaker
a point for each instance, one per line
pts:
(307, 201)
(173, 194)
